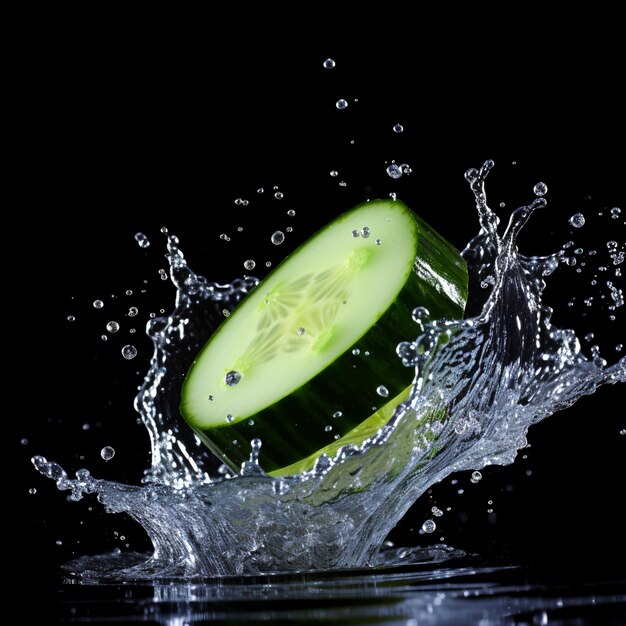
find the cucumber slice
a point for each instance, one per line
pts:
(310, 353)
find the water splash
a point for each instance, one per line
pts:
(495, 375)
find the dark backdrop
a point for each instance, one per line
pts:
(117, 138)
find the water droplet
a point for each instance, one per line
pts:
(32, 491)
(378, 242)
(329, 64)
(107, 453)
(133, 311)
(398, 128)
(540, 189)
(113, 326)
(589, 337)
(334, 173)
(229, 417)
(420, 314)
(278, 237)
(341, 104)
(129, 292)
(268, 264)
(429, 526)
(381, 390)
(291, 213)
(24, 441)
(250, 422)
(104, 338)
(278, 195)
(289, 229)
(406, 168)
(328, 428)
(436, 512)
(142, 240)
(224, 237)
(301, 331)
(249, 264)
(337, 414)
(623, 431)
(476, 477)
(232, 378)
(394, 171)
(356, 233)
(129, 352)
(71, 318)
(164, 230)
(356, 351)
(162, 274)
(577, 220)
(365, 232)
(615, 212)
(98, 304)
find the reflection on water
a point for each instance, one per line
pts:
(412, 595)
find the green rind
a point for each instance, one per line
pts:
(295, 427)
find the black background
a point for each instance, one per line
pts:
(119, 135)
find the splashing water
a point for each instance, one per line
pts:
(498, 373)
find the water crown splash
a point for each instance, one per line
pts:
(471, 405)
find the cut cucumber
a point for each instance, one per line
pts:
(309, 355)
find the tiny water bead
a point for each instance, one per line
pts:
(133, 311)
(540, 189)
(615, 212)
(623, 431)
(328, 428)
(382, 391)
(394, 171)
(476, 476)
(337, 414)
(32, 491)
(249, 264)
(437, 512)
(278, 195)
(334, 173)
(71, 318)
(224, 237)
(365, 232)
(142, 240)
(129, 352)
(107, 453)
(291, 213)
(113, 326)
(232, 378)
(162, 274)
(577, 220)
(98, 304)
(329, 64)
(420, 314)
(341, 104)
(398, 128)
(278, 237)
(429, 526)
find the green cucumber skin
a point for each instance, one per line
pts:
(352, 378)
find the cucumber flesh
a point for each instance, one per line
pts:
(303, 358)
